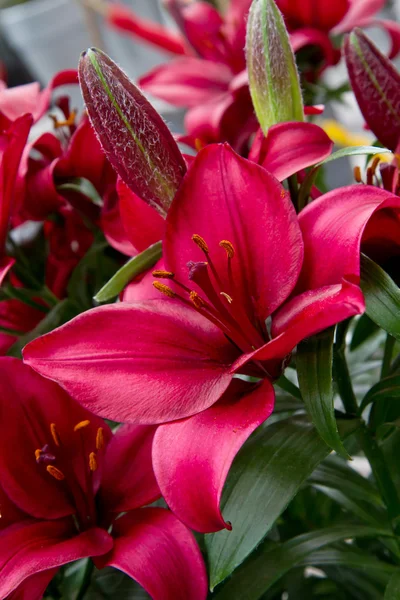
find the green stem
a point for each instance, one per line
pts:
(294, 190)
(48, 296)
(87, 578)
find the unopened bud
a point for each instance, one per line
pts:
(134, 137)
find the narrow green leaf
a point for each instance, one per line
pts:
(382, 297)
(393, 589)
(384, 389)
(260, 572)
(273, 77)
(350, 557)
(136, 265)
(80, 185)
(314, 361)
(267, 472)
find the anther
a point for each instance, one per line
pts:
(100, 439)
(375, 163)
(81, 425)
(54, 435)
(164, 289)
(54, 472)
(163, 274)
(197, 300)
(227, 296)
(357, 174)
(93, 461)
(228, 247)
(200, 242)
(370, 176)
(38, 452)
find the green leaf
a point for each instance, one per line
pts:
(267, 473)
(111, 584)
(393, 589)
(261, 571)
(382, 297)
(348, 556)
(384, 389)
(273, 77)
(80, 185)
(64, 311)
(136, 265)
(314, 361)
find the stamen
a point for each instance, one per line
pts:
(370, 176)
(54, 435)
(100, 439)
(197, 300)
(163, 274)
(357, 174)
(93, 461)
(38, 452)
(164, 289)
(228, 247)
(67, 123)
(375, 163)
(227, 296)
(200, 242)
(54, 472)
(81, 425)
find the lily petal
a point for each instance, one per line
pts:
(128, 479)
(192, 457)
(304, 316)
(34, 587)
(155, 549)
(290, 147)
(338, 220)
(30, 547)
(226, 197)
(137, 363)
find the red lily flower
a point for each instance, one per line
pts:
(69, 480)
(310, 23)
(233, 252)
(13, 136)
(208, 77)
(353, 219)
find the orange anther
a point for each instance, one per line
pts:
(54, 472)
(38, 452)
(357, 174)
(200, 242)
(163, 274)
(99, 439)
(227, 296)
(81, 425)
(375, 163)
(54, 435)
(164, 289)
(93, 461)
(228, 247)
(197, 300)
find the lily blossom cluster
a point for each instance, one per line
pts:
(153, 303)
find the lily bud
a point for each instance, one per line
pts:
(376, 85)
(134, 137)
(273, 77)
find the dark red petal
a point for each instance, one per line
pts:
(30, 547)
(333, 227)
(290, 147)
(128, 479)
(33, 587)
(303, 316)
(225, 197)
(192, 457)
(137, 363)
(155, 549)
(32, 403)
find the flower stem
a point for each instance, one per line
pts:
(87, 578)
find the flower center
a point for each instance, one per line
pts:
(217, 297)
(61, 462)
